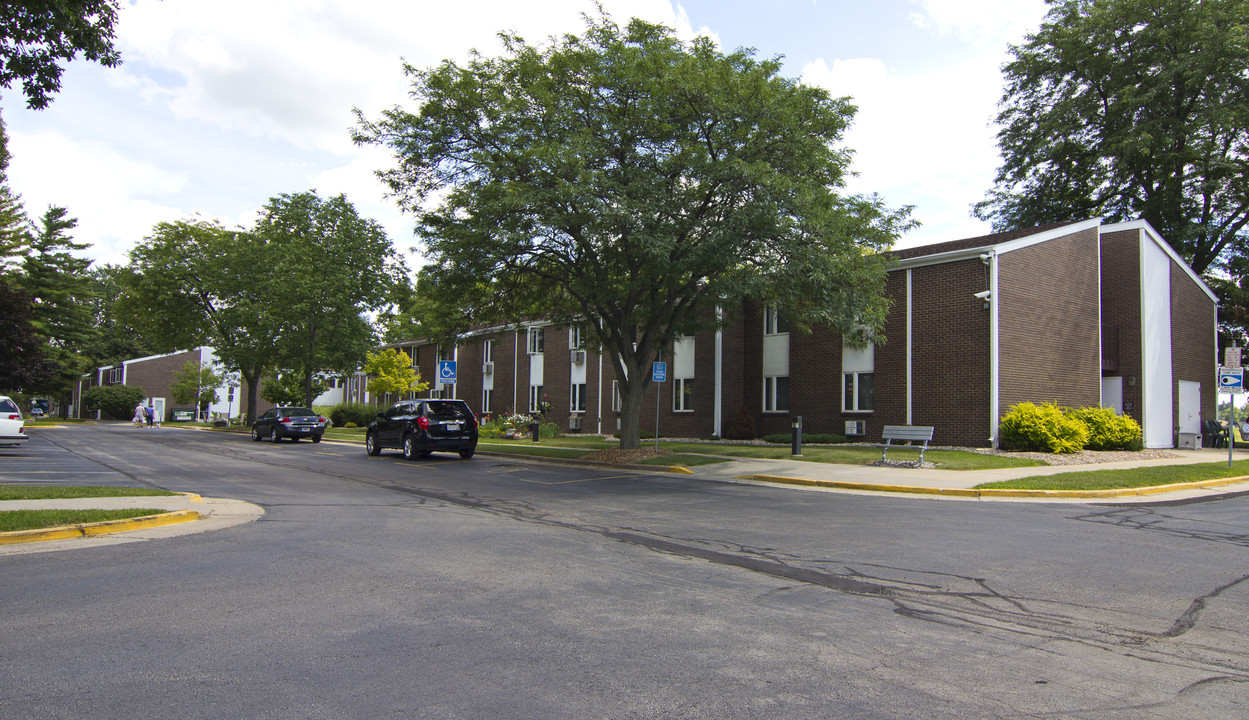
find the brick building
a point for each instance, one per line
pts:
(155, 374)
(1079, 314)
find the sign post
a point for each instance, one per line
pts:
(660, 375)
(1232, 381)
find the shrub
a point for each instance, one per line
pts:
(1107, 430)
(807, 438)
(357, 414)
(742, 427)
(116, 400)
(1042, 428)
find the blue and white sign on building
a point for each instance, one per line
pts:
(661, 372)
(1231, 380)
(446, 372)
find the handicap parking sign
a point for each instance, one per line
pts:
(446, 372)
(660, 372)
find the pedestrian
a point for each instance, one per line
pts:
(149, 414)
(139, 415)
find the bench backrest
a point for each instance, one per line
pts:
(913, 433)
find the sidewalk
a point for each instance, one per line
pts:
(959, 483)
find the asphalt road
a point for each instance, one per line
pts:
(499, 588)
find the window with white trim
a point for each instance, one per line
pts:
(576, 339)
(576, 396)
(115, 375)
(536, 336)
(774, 323)
(487, 401)
(615, 396)
(858, 378)
(535, 399)
(487, 351)
(683, 394)
(776, 393)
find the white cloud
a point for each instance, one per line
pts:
(987, 23)
(114, 197)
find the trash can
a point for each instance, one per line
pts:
(534, 428)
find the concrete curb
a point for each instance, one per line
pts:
(99, 528)
(998, 493)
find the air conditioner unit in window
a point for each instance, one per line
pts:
(574, 422)
(487, 368)
(856, 427)
(578, 357)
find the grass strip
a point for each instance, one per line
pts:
(11, 520)
(1127, 478)
(61, 492)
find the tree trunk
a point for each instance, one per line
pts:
(253, 387)
(634, 393)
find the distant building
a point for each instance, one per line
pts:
(1079, 314)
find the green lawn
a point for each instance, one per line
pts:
(59, 492)
(1131, 478)
(11, 520)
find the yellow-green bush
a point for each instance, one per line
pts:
(1107, 430)
(1042, 428)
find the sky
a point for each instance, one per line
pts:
(220, 105)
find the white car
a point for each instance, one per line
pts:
(11, 423)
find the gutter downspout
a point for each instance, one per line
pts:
(909, 347)
(994, 351)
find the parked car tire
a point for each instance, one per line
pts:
(409, 446)
(255, 435)
(466, 453)
(316, 438)
(274, 435)
(370, 445)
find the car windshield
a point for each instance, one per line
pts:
(296, 412)
(7, 405)
(449, 411)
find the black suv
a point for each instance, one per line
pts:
(419, 427)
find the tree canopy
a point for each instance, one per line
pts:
(630, 182)
(36, 36)
(1131, 108)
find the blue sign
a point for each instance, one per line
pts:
(661, 372)
(446, 372)
(1231, 380)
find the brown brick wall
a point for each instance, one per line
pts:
(1121, 315)
(1049, 324)
(950, 355)
(155, 376)
(1194, 352)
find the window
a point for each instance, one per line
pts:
(487, 401)
(858, 378)
(535, 399)
(615, 396)
(577, 397)
(774, 323)
(535, 340)
(683, 395)
(487, 351)
(860, 389)
(114, 375)
(776, 394)
(576, 340)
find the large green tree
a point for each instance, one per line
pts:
(631, 182)
(37, 36)
(195, 282)
(1131, 108)
(59, 282)
(329, 265)
(23, 359)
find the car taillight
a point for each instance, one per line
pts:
(472, 423)
(321, 420)
(284, 420)
(15, 417)
(423, 422)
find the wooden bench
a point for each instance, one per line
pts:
(910, 434)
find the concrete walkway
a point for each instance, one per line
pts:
(864, 478)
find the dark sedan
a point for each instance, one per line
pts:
(420, 427)
(289, 422)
